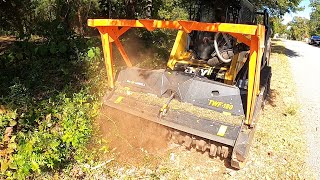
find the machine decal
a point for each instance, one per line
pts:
(199, 71)
(220, 104)
(222, 130)
(118, 100)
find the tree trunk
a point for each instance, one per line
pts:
(80, 19)
(149, 9)
(130, 9)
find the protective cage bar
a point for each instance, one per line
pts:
(251, 35)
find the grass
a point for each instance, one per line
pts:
(279, 149)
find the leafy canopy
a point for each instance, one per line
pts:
(299, 28)
(279, 7)
(315, 17)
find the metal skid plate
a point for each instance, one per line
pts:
(200, 92)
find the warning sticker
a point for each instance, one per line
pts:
(222, 130)
(118, 100)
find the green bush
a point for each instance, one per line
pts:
(49, 96)
(49, 134)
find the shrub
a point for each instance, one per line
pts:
(50, 93)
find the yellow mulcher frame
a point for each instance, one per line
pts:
(251, 35)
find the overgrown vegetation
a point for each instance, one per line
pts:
(299, 28)
(315, 17)
(49, 98)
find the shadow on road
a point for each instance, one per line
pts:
(283, 50)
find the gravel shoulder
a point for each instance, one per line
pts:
(305, 62)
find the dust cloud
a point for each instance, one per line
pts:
(133, 139)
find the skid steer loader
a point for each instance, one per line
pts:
(216, 81)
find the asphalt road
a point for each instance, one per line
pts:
(305, 64)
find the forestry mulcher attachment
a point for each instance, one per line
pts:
(216, 81)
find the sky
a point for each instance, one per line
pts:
(305, 13)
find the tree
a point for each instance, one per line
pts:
(299, 28)
(279, 7)
(16, 15)
(26, 16)
(315, 18)
(277, 26)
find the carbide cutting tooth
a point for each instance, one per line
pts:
(213, 150)
(175, 137)
(224, 151)
(201, 145)
(187, 141)
(218, 150)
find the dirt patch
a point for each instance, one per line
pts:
(133, 140)
(142, 150)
